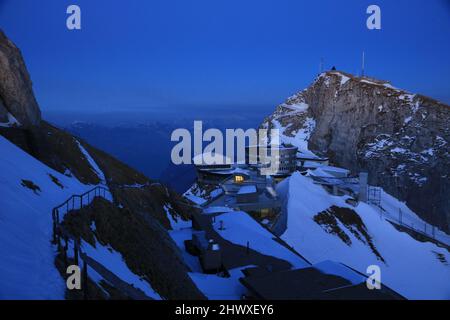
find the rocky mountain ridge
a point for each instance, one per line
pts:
(401, 139)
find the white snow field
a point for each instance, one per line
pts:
(392, 208)
(212, 286)
(218, 288)
(114, 262)
(27, 268)
(240, 228)
(411, 268)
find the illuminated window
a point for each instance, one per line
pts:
(265, 212)
(238, 179)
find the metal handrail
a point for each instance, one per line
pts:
(99, 191)
(59, 232)
(81, 196)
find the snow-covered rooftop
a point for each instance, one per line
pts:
(210, 158)
(247, 189)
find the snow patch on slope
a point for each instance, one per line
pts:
(27, 268)
(12, 122)
(93, 164)
(212, 286)
(240, 228)
(218, 288)
(395, 210)
(411, 267)
(114, 262)
(300, 138)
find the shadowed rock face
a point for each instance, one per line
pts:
(16, 93)
(401, 139)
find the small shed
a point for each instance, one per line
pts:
(210, 253)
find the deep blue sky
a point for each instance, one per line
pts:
(220, 53)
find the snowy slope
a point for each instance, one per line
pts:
(410, 267)
(240, 228)
(211, 285)
(115, 263)
(299, 136)
(399, 212)
(215, 287)
(27, 268)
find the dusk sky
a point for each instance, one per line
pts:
(142, 55)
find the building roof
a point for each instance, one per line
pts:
(360, 292)
(328, 171)
(318, 172)
(208, 158)
(312, 164)
(216, 209)
(232, 171)
(309, 156)
(297, 284)
(327, 280)
(281, 147)
(334, 169)
(247, 189)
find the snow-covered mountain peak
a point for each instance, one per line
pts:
(365, 124)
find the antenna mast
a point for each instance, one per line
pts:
(363, 61)
(321, 65)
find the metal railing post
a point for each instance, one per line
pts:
(75, 251)
(59, 241)
(66, 246)
(54, 225)
(85, 280)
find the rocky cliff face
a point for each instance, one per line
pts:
(401, 139)
(17, 101)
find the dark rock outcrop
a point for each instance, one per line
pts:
(364, 124)
(16, 93)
